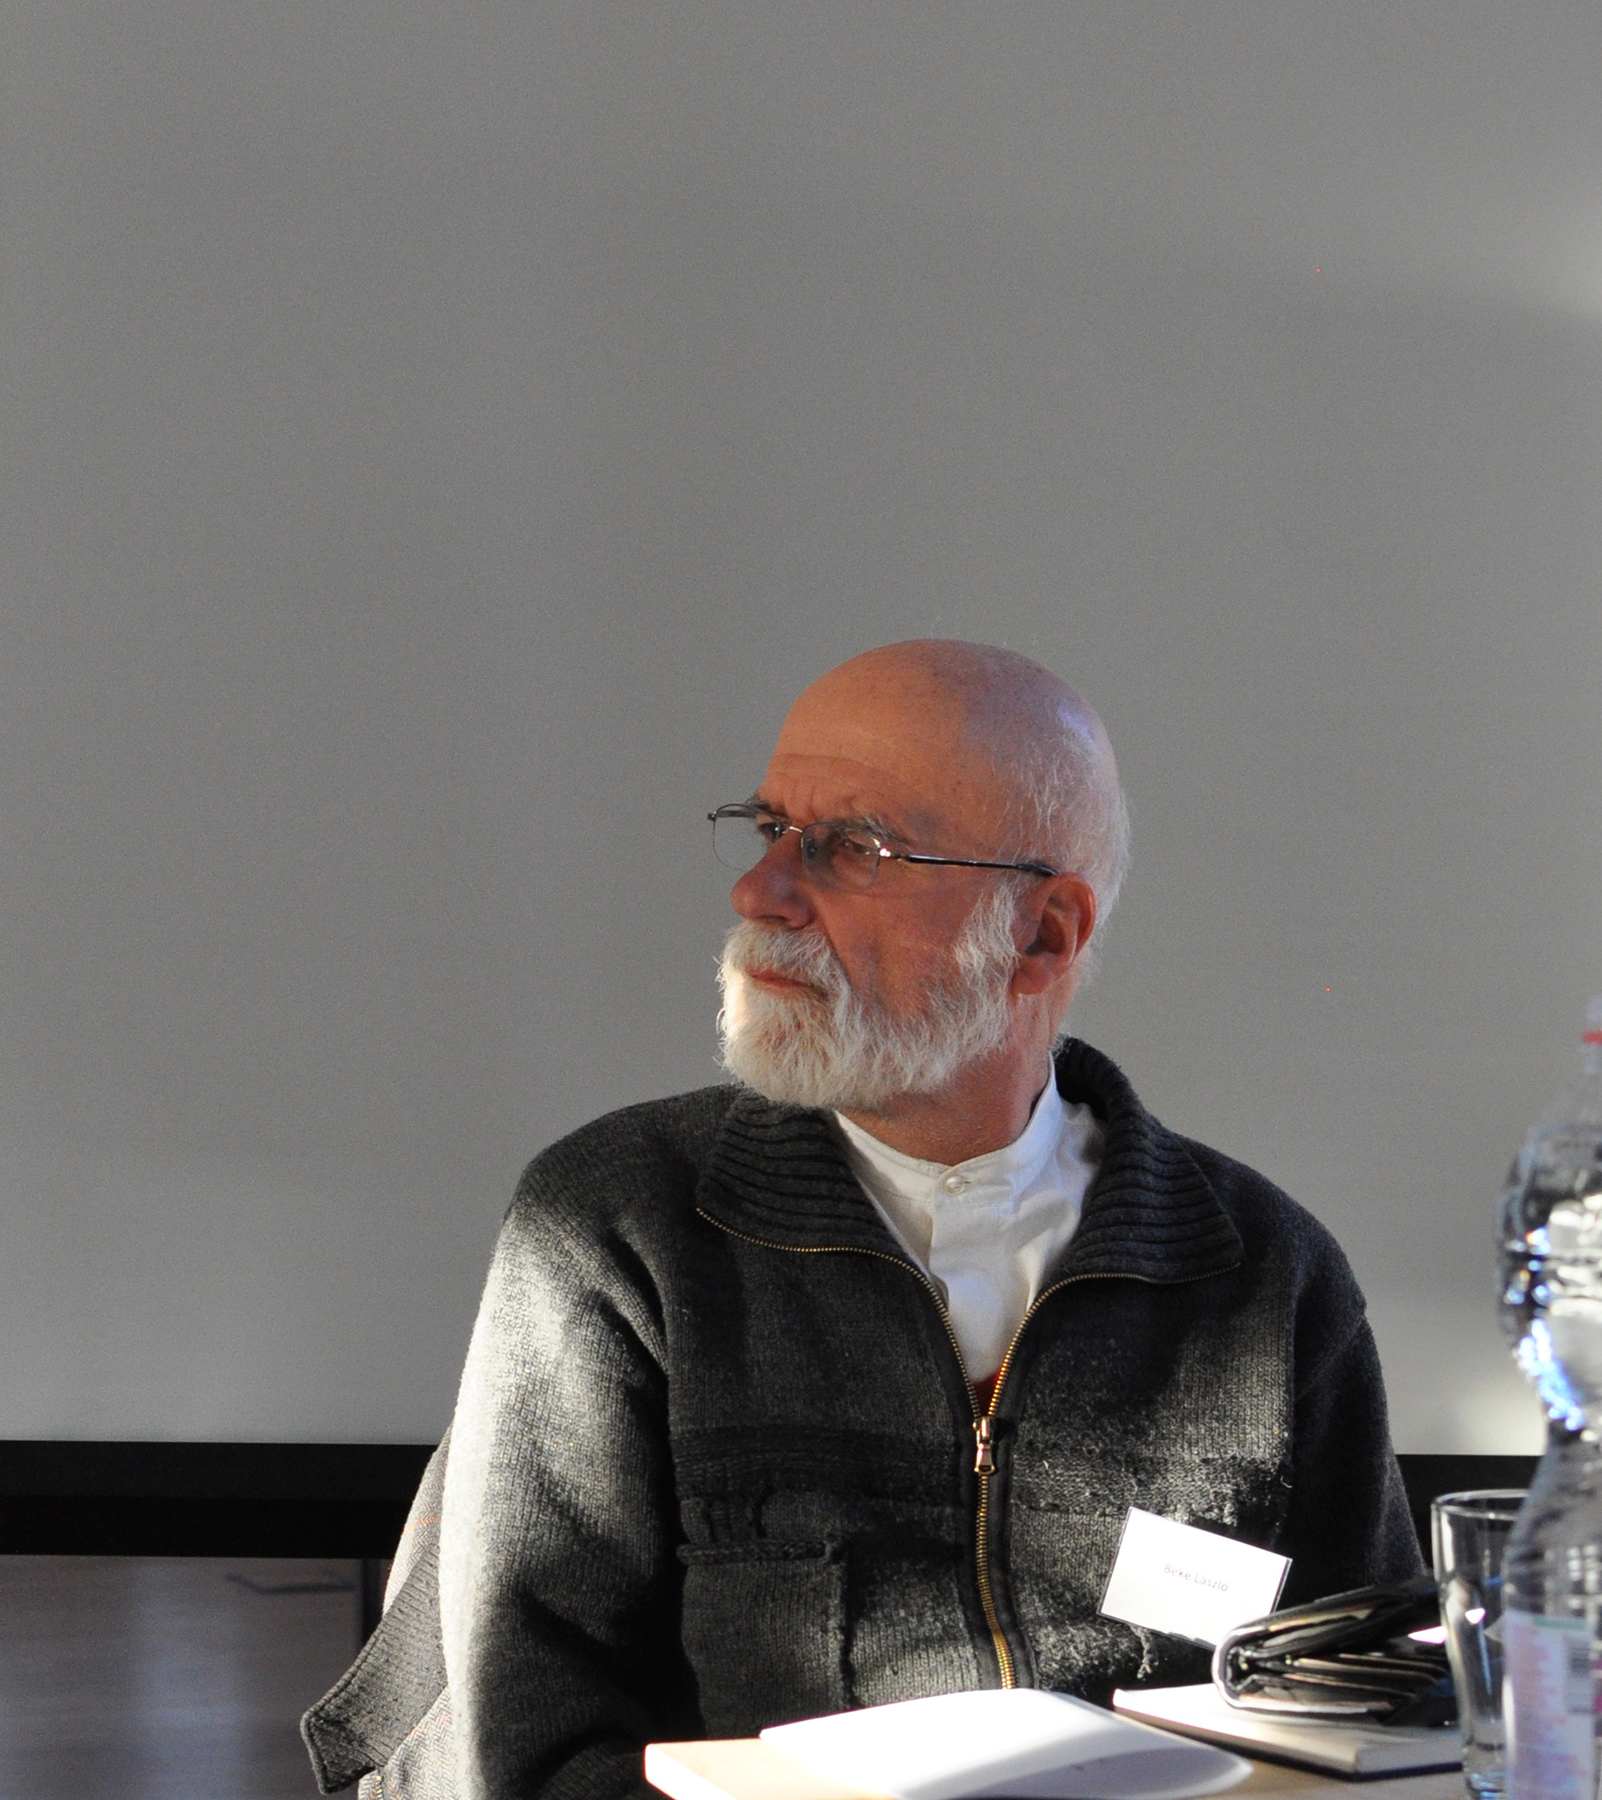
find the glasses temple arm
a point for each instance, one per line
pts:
(972, 862)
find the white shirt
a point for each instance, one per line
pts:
(986, 1231)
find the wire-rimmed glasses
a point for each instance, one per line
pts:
(836, 852)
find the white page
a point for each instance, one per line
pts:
(1023, 1742)
(1350, 1746)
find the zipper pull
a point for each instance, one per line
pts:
(984, 1450)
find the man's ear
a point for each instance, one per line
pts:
(1057, 920)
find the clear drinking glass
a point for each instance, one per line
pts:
(1471, 1532)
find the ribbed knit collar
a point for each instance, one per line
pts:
(778, 1174)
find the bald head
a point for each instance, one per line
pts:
(996, 747)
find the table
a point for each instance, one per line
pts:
(747, 1769)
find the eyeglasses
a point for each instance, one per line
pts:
(833, 851)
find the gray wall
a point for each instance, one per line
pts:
(439, 439)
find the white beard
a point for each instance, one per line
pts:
(844, 1049)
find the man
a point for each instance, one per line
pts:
(836, 1387)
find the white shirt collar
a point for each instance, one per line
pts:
(986, 1231)
(1014, 1167)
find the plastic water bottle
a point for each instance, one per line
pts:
(1551, 1267)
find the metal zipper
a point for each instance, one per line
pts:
(984, 1466)
(984, 1459)
(984, 1455)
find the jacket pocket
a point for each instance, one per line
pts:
(765, 1631)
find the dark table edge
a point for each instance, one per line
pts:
(62, 1498)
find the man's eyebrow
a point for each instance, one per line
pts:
(873, 822)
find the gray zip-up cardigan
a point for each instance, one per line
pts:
(716, 1462)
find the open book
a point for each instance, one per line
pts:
(1020, 1742)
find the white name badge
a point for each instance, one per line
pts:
(1191, 1583)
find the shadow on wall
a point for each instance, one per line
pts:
(1486, 1408)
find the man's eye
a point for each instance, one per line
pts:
(856, 845)
(769, 830)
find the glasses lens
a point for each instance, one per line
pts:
(845, 854)
(737, 841)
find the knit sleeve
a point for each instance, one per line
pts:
(1348, 1523)
(558, 1581)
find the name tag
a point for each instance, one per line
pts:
(1191, 1583)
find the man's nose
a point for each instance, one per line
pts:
(776, 890)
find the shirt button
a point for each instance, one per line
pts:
(954, 1184)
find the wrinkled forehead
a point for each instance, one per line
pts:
(916, 770)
